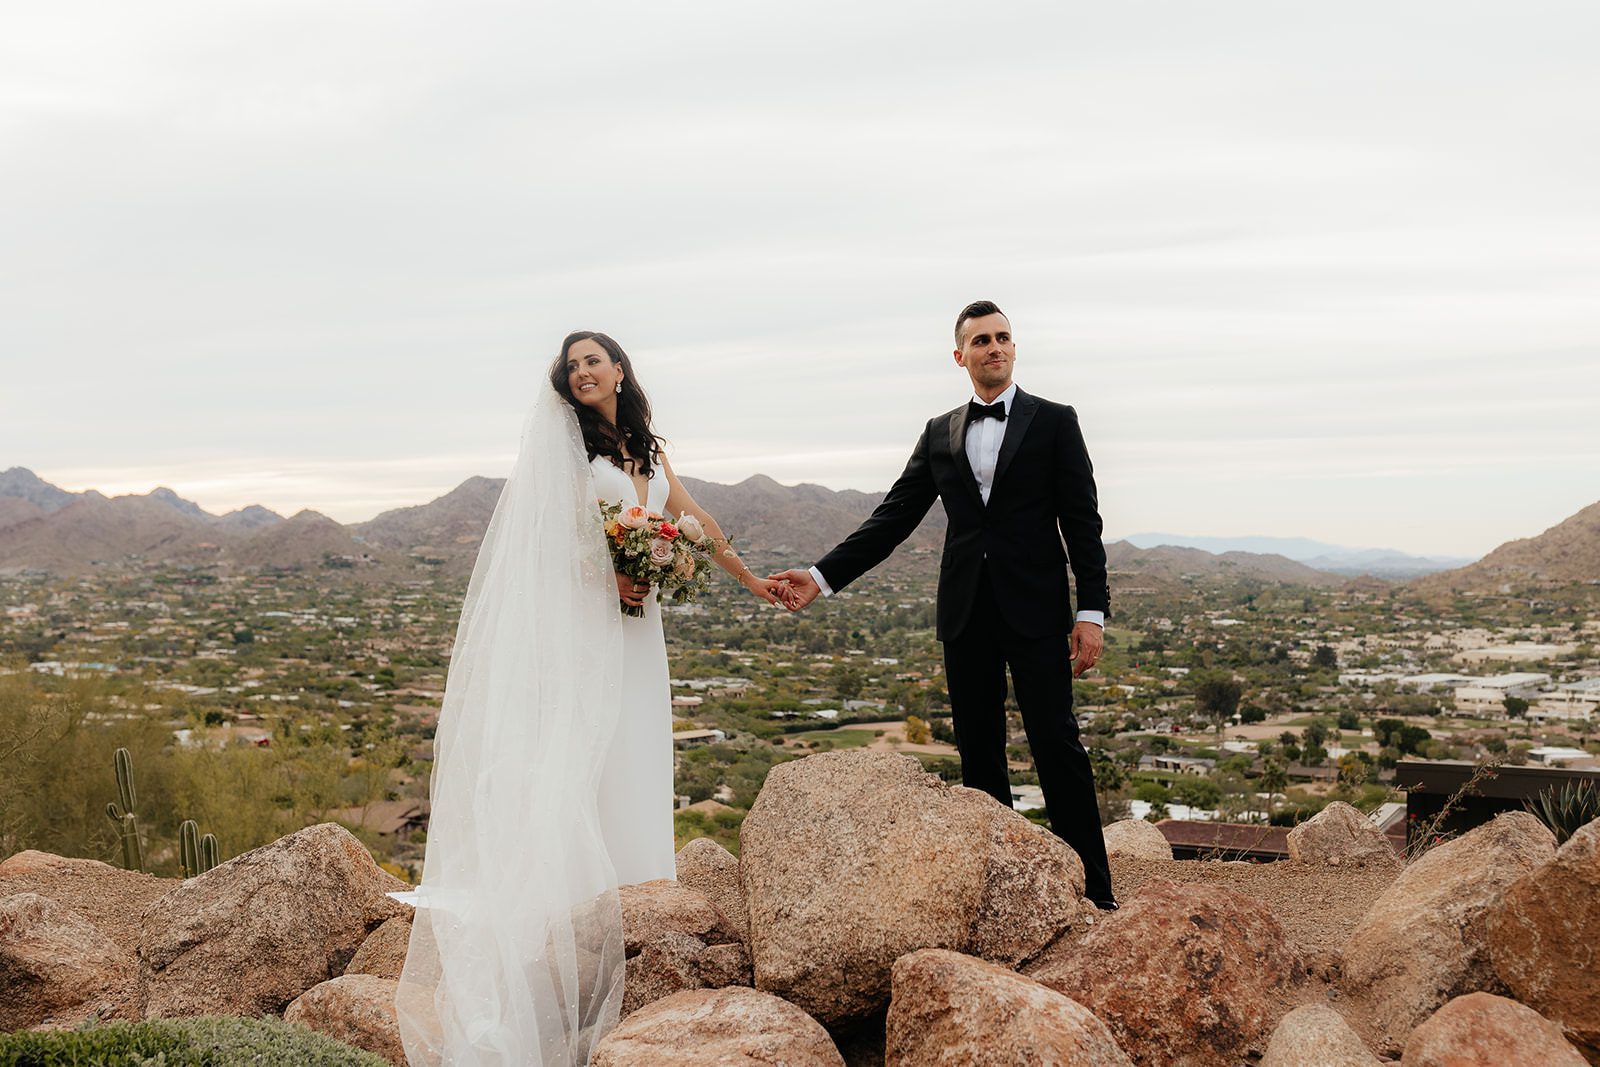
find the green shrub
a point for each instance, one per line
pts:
(202, 1041)
(1566, 808)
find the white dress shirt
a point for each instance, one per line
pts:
(984, 437)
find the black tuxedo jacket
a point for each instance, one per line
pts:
(1042, 514)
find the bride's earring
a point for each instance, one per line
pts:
(619, 385)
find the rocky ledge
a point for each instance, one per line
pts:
(879, 915)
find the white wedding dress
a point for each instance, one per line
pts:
(636, 791)
(552, 777)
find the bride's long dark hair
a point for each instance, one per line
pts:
(633, 409)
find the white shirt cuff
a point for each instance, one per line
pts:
(822, 583)
(1096, 617)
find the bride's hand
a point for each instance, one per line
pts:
(631, 590)
(764, 588)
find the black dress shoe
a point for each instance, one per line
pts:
(1106, 905)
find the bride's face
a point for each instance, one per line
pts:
(591, 376)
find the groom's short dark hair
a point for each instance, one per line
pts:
(975, 310)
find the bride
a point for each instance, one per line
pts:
(552, 779)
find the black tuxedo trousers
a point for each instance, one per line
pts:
(975, 662)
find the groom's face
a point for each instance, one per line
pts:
(987, 351)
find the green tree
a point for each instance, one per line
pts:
(1411, 739)
(1196, 792)
(1274, 778)
(1354, 769)
(1108, 776)
(1516, 707)
(1217, 698)
(1150, 792)
(1386, 731)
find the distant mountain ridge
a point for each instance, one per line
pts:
(1173, 562)
(1338, 559)
(44, 527)
(1565, 553)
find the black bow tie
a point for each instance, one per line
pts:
(977, 411)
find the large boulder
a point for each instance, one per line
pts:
(383, 953)
(650, 909)
(1315, 1035)
(1184, 974)
(1422, 941)
(850, 860)
(706, 866)
(1339, 835)
(357, 1009)
(952, 1008)
(1137, 839)
(1032, 884)
(675, 939)
(112, 899)
(252, 934)
(732, 1027)
(1483, 1030)
(1543, 932)
(56, 967)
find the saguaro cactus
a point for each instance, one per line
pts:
(199, 854)
(123, 815)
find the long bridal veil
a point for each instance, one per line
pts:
(516, 952)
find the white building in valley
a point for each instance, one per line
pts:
(1570, 702)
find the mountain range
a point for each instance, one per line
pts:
(1338, 559)
(1566, 553)
(43, 527)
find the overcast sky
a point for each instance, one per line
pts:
(1328, 270)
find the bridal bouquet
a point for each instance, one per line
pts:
(673, 556)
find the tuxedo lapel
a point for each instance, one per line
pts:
(1023, 407)
(958, 451)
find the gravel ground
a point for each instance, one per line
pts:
(1318, 906)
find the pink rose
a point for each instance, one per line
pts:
(684, 568)
(633, 518)
(690, 527)
(661, 551)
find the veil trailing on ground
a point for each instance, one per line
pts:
(516, 952)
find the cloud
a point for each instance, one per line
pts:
(1270, 253)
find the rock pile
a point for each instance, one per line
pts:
(1423, 941)
(878, 915)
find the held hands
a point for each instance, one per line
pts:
(772, 592)
(798, 588)
(1087, 642)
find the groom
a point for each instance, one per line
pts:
(1019, 493)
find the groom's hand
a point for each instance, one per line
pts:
(1087, 641)
(802, 588)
